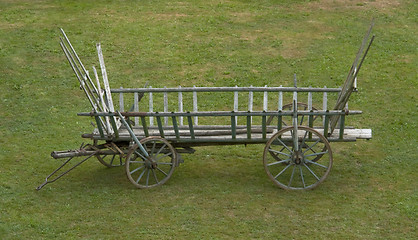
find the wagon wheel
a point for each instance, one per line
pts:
(302, 121)
(154, 170)
(114, 160)
(297, 169)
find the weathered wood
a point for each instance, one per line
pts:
(226, 113)
(165, 107)
(227, 89)
(196, 119)
(151, 107)
(180, 98)
(121, 102)
(136, 107)
(265, 100)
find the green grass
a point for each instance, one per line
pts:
(219, 192)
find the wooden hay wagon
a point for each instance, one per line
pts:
(154, 126)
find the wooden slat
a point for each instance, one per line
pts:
(190, 121)
(235, 103)
(342, 123)
(233, 127)
(196, 119)
(160, 126)
(175, 126)
(165, 107)
(151, 107)
(136, 108)
(115, 128)
(263, 126)
(250, 102)
(144, 126)
(249, 127)
(265, 100)
(99, 126)
(326, 125)
(121, 103)
(180, 98)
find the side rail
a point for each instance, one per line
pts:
(198, 99)
(229, 133)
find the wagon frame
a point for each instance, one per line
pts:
(296, 134)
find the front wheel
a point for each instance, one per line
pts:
(152, 170)
(304, 166)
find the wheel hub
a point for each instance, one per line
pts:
(150, 164)
(297, 158)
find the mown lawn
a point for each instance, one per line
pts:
(219, 192)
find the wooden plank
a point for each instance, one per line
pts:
(349, 135)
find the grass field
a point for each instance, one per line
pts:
(219, 192)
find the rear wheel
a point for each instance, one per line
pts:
(301, 167)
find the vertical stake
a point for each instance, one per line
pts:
(151, 108)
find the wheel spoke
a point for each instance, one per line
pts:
(282, 153)
(165, 163)
(303, 140)
(153, 148)
(159, 169)
(312, 162)
(140, 155)
(146, 183)
(136, 161)
(278, 162)
(301, 120)
(316, 154)
(155, 175)
(160, 149)
(136, 169)
(284, 169)
(301, 176)
(140, 176)
(291, 176)
(284, 145)
(165, 155)
(111, 161)
(310, 147)
(310, 170)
